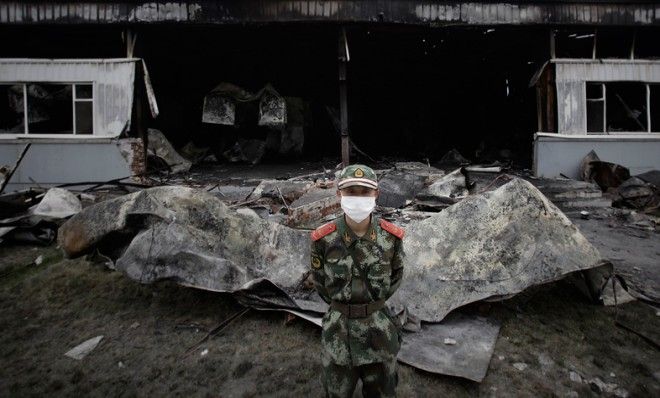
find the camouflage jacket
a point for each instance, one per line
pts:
(355, 270)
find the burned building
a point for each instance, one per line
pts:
(539, 84)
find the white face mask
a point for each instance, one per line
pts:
(357, 208)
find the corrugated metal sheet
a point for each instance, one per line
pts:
(112, 78)
(571, 107)
(570, 79)
(397, 11)
(607, 70)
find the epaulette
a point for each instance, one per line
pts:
(391, 228)
(323, 230)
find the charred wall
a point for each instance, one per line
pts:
(413, 91)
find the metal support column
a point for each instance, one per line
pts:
(343, 106)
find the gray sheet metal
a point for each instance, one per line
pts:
(494, 244)
(469, 358)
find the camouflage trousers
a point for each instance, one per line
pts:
(378, 379)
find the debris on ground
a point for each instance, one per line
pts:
(245, 126)
(607, 175)
(7, 172)
(83, 349)
(453, 158)
(39, 222)
(160, 147)
(431, 349)
(493, 244)
(636, 193)
(572, 194)
(58, 203)
(399, 185)
(521, 366)
(499, 250)
(444, 191)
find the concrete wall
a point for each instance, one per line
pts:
(556, 154)
(53, 162)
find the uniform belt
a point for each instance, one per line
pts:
(357, 310)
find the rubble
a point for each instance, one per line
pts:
(189, 236)
(160, 147)
(489, 245)
(246, 150)
(57, 203)
(313, 207)
(453, 158)
(606, 175)
(486, 246)
(638, 194)
(427, 349)
(453, 186)
(38, 223)
(570, 194)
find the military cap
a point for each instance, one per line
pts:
(357, 174)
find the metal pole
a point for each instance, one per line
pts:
(343, 106)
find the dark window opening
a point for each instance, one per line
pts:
(614, 43)
(52, 108)
(574, 43)
(11, 109)
(84, 117)
(626, 107)
(655, 107)
(619, 107)
(595, 107)
(49, 108)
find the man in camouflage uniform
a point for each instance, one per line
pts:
(357, 264)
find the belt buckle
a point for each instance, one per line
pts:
(357, 310)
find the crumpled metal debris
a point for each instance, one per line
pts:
(453, 185)
(220, 105)
(39, 223)
(399, 186)
(638, 194)
(57, 203)
(459, 346)
(485, 246)
(605, 174)
(493, 244)
(160, 146)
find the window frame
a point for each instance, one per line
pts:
(647, 87)
(74, 101)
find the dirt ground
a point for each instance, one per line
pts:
(49, 308)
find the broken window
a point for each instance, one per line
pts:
(11, 109)
(49, 108)
(618, 107)
(626, 106)
(654, 107)
(595, 107)
(52, 108)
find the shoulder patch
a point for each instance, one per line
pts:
(323, 230)
(391, 228)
